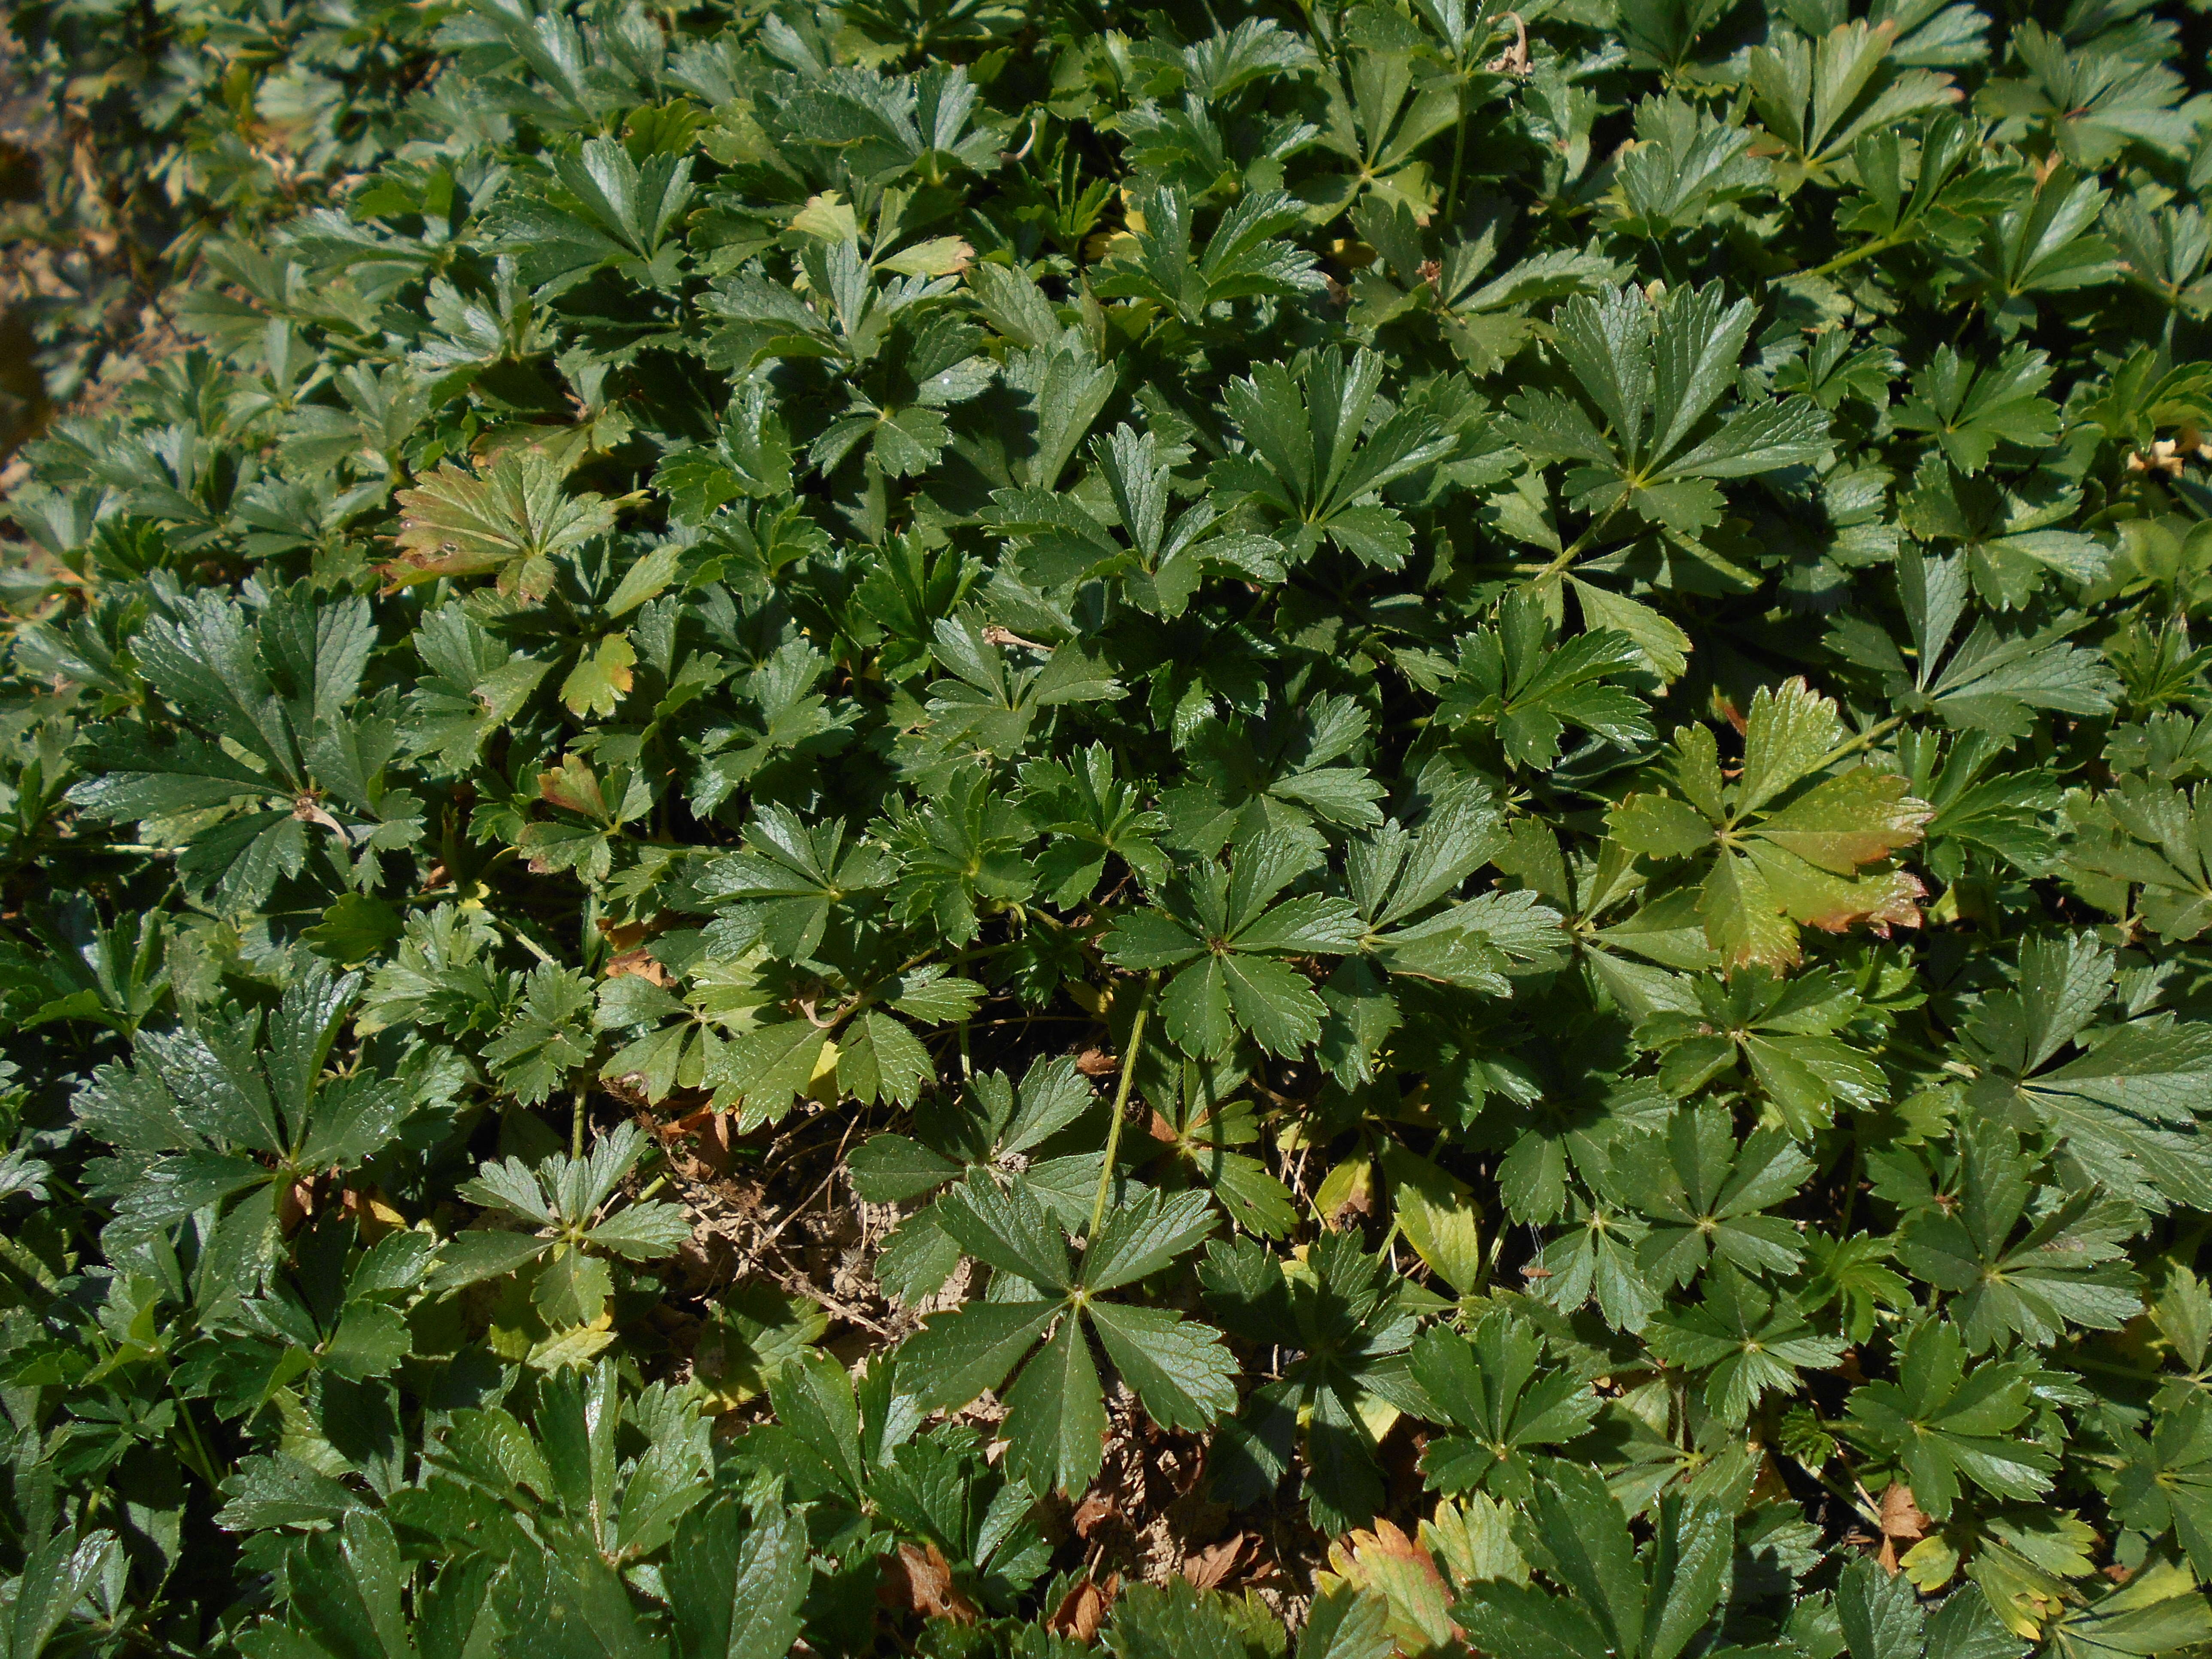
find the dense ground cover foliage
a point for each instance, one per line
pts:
(968, 826)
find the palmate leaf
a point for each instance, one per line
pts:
(1612, 1597)
(1687, 163)
(1494, 1387)
(544, 1039)
(607, 210)
(273, 739)
(1819, 97)
(1199, 1118)
(2004, 811)
(1649, 430)
(1784, 1032)
(1349, 1319)
(750, 459)
(995, 1125)
(1786, 847)
(1969, 410)
(1706, 1196)
(2152, 840)
(509, 520)
(2167, 1482)
(1944, 1423)
(2046, 244)
(788, 722)
(731, 570)
(1221, 930)
(887, 124)
(1242, 259)
(990, 703)
(735, 1591)
(1483, 315)
(2124, 1107)
(1746, 1342)
(1990, 682)
(1313, 464)
(1881, 1617)
(1519, 680)
(474, 686)
(1594, 1260)
(1091, 815)
(1056, 1414)
(2006, 532)
(1065, 542)
(958, 852)
(2067, 1269)
(222, 1116)
(2096, 103)
(1939, 188)
(1298, 769)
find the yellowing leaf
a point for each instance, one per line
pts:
(1788, 848)
(508, 520)
(827, 218)
(940, 255)
(1438, 1214)
(601, 678)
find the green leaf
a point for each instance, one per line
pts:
(1179, 1368)
(956, 1355)
(1493, 1387)
(1746, 1343)
(1971, 410)
(1943, 1422)
(2069, 1268)
(1056, 1414)
(1789, 849)
(736, 1593)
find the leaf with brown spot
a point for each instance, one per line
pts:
(1394, 1567)
(508, 519)
(1346, 1194)
(573, 786)
(1789, 847)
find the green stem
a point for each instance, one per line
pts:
(1852, 745)
(1121, 1105)
(1459, 155)
(1575, 549)
(1858, 1174)
(1864, 250)
(207, 1469)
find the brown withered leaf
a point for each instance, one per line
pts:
(1095, 1510)
(1901, 1520)
(1082, 1609)
(919, 1579)
(1206, 1568)
(642, 962)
